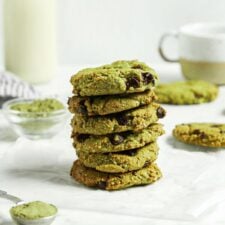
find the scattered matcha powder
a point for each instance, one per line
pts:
(33, 210)
(38, 106)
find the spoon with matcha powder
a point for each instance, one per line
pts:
(32, 213)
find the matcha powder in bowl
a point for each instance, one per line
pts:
(38, 107)
(36, 119)
(33, 210)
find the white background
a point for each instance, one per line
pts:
(98, 31)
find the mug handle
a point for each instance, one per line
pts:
(173, 34)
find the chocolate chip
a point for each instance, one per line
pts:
(137, 67)
(160, 112)
(102, 184)
(82, 137)
(82, 108)
(196, 132)
(148, 78)
(123, 120)
(203, 135)
(116, 139)
(133, 82)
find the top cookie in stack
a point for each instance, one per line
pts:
(120, 77)
(114, 127)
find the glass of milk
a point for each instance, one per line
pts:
(30, 39)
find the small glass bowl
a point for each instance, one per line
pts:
(34, 125)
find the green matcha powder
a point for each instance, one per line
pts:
(33, 210)
(38, 106)
(35, 111)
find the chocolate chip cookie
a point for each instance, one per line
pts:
(93, 178)
(103, 105)
(203, 134)
(186, 92)
(135, 120)
(117, 142)
(120, 162)
(117, 78)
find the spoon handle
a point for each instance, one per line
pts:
(4, 194)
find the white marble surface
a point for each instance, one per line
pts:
(191, 191)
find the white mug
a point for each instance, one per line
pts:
(201, 49)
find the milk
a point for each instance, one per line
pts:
(30, 39)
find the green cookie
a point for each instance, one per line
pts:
(117, 78)
(186, 92)
(103, 105)
(109, 181)
(203, 134)
(118, 141)
(120, 162)
(135, 119)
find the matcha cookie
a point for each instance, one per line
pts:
(135, 120)
(203, 134)
(117, 142)
(117, 78)
(106, 181)
(186, 92)
(103, 105)
(120, 162)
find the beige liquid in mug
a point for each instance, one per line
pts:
(29, 36)
(209, 71)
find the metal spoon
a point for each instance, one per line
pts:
(42, 221)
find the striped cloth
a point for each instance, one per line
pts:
(12, 87)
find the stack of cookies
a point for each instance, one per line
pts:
(115, 127)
